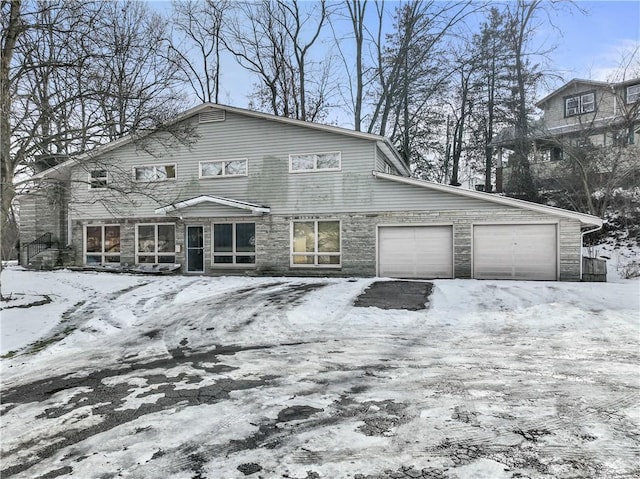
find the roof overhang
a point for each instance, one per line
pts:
(219, 200)
(493, 198)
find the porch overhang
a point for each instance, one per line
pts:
(198, 200)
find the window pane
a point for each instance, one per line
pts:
(302, 162)
(245, 259)
(325, 259)
(195, 237)
(223, 238)
(165, 172)
(112, 259)
(223, 259)
(166, 259)
(166, 238)
(98, 179)
(212, 168)
(245, 237)
(328, 236)
(303, 237)
(236, 167)
(145, 173)
(147, 238)
(146, 259)
(112, 239)
(328, 160)
(303, 259)
(94, 239)
(92, 259)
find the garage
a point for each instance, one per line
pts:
(415, 251)
(520, 251)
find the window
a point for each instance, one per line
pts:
(155, 243)
(578, 104)
(234, 244)
(633, 93)
(315, 243)
(155, 173)
(98, 179)
(314, 162)
(223, 168)
(102, 244)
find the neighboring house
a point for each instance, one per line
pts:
(580, 113)
(257, 194)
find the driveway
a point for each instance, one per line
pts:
(182, 377)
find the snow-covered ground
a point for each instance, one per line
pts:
(115, 375)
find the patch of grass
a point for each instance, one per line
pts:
(43, 343)
(9, 355)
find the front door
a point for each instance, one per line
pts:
(195, 249)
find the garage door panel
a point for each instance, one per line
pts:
(415, 251)
(515, 252)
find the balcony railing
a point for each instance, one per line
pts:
(40, 244)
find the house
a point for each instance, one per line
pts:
(580, 114)
(252, 193)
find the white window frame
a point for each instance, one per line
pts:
(315, 162)
(224, 173)
(233, 253)
(315, 253)
(102, 253)
(581, 100)
(633, 96)
(103, 181)
(156, 179)
(155, 252)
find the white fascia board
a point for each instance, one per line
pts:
(256, 209)
(503, 200)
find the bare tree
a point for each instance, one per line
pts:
(198, 50)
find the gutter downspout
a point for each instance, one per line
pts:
(582, 244)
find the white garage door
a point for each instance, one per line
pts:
(515, 252)
(415, 251)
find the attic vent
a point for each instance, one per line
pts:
(212, 115)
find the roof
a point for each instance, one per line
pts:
(382, 142)
(254, 208)
(493, 198)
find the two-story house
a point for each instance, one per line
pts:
(581, 114)
(252, 193)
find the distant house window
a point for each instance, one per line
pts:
(314, 162)
(223, 168)
(98, 179)
(556, 154)
(633, 93)
(315, 244)
(234, 244)
(155, 173)
(155, 243)
(578, 104)
(102, 244)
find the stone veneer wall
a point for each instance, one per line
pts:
(273, 233)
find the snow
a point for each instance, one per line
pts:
(185, 376)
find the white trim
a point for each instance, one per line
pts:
(315, 168)
(493, 198)
(315, 252)
(155, 167)
(224, 168)
(256, 209)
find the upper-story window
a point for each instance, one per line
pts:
(155, 173)
(633, 93)
(578, 104)
(98, 179)
(223, 168)
(315, 162)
